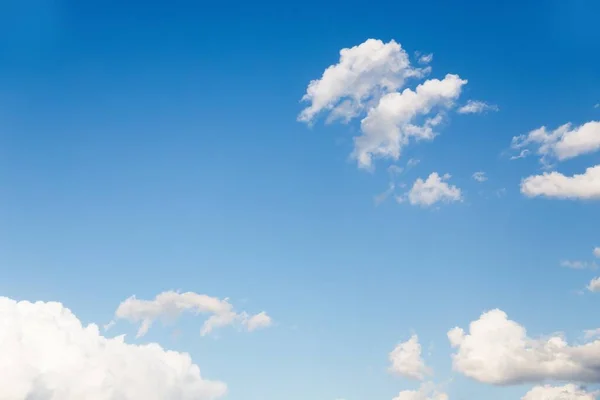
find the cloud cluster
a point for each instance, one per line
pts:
(363, 74)
(390, 125)
(367, 83)
(169, 305)
(497, 351)
(426, 391)
(563, 143)
(406, 360)
(591, 333)
(433, 190)
(566, 392)
(584, 186)
(47, 354)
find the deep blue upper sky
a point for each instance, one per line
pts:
(148, 146)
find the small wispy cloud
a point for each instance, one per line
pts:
(576, 264)
(477, 107)
(383, 196)
(426, 58)
(480, 176)
(109, 325)
(394, 171)
(412, 162)
(591, 333)
(169, 305)
(522, 154)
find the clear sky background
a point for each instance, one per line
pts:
(154, 146)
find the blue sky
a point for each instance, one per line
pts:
(156, 147)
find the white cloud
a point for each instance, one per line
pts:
(406, 360)
(476, 107)
(169, 305)
(367, 80)
(109, 325)
(363, 74)
(47, 354)
(594, 285)
(388, 127)
(566, 392)
(427, 391)
(412, 162)
(584, 186)
(576, 264)
(498, 351)
(433, 190)
(426, 58)
(394, 171)
(591, 333)
(563, 143)
(596, 252)
(522, 154)
(480, 176)
(258, 321)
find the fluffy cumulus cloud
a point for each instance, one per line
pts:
(585, 186)
(480, 176)
(498, 351)
(427, 391)
(390, 125)
(476, 107)
(594, 285)
(566, 392)
(433, 190)
(406, 360)
(596, 252)
(47, 354)
(169, 305)
(258, 321)
(363, 74)
(368, 82)
(560, 144)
